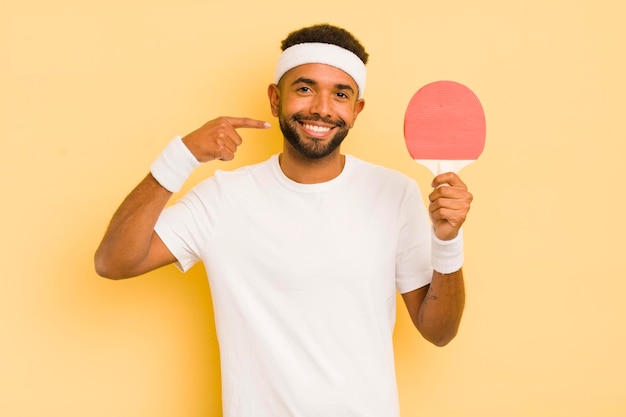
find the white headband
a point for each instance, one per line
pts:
(322, 53)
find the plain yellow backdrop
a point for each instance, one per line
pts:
(90, 92)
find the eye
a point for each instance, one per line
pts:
(304, 89)
(343, 95)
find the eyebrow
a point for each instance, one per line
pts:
(311, 82)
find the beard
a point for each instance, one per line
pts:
(313, 148)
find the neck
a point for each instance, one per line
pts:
(310, 171)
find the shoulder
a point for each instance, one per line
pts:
(258, 169)
(241, 175)
(374, 173)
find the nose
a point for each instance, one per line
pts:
(321, 105)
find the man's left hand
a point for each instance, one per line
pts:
(449, 203)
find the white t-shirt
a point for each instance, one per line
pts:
(304, 280)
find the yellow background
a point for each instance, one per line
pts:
(90, 92)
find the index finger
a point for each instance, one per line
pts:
(448, 178)
(246, 122)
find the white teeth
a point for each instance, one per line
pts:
(318, 129)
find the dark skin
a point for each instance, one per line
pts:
(130, 246)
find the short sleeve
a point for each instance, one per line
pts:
(185, 226)
(413, 264)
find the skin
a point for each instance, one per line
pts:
(317, 102)
(315, 91)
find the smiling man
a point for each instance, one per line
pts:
(304, 252)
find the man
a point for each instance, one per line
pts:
(304, 252)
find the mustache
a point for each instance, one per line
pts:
(301, 118)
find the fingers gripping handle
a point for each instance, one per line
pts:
(174, 165)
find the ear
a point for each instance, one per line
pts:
(273, 93)
(358, 107)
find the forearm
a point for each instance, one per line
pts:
(440, 312)
(127, 241)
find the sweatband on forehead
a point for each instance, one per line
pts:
(322, 53)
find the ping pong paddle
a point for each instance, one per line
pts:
(444, 127)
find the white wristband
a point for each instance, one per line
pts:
(447, 255)
(174, 165)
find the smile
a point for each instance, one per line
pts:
(317, 129)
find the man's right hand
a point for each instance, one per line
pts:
(218, 139)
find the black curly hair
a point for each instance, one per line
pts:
(325, 33)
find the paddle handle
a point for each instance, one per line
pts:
(445, 165)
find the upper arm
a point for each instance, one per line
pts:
(158, 255)
(413, 301)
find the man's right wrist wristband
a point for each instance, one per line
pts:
(174, 165)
